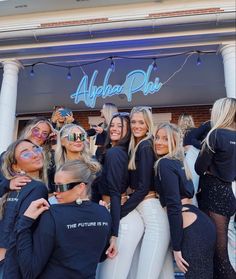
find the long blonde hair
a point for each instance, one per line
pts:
(33, 123)
(46, 145)
(60, 152)
(223, 115)
(9, 159)
(185, 122)
(176, 151)
(147, 115)
(108, 110)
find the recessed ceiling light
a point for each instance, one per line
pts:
(21, 6)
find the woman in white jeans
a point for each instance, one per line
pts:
(112, 189)
(154, 251)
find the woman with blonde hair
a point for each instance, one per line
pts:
(22, 157)
(72, 145)
(38, 131)
(154, 260)
(113, 186)
(192, 232)
(185, 123)
(216, 166)
(187, 127)
(100, 130)
(71, 236)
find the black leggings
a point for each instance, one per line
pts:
(198, 245)
(222, 266)
(219, 203)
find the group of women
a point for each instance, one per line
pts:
(145, 191)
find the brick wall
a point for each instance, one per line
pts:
(199, 113)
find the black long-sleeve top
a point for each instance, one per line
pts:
(172, 186)
(16, 205)
(115, 181)
(4, 183)
(67, 243)
(222, 162)
(141, 179)
(195, 136)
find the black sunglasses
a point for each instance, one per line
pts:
(66, 187)
(121, 114)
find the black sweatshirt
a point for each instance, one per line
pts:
(115, 181)
(67, 243)
(16, 205)
(141, 179)
(4, 183)
(222, 162)
(195, 136)
(172, 185)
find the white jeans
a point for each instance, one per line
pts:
(232, 235)
(155, 259)
(191, 157)
(130, 232)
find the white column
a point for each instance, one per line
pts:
(229, 55)
(8, 98)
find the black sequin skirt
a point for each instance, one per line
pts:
(216, 196)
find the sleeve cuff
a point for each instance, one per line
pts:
(24, 222)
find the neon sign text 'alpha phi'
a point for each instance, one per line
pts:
(135, 81)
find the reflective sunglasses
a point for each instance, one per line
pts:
(36, 133)
(121, 114)
(141, 108)
(76, 136)
(31, 153)
(66, 187)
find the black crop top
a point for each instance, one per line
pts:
(141, 179)
(114, 181)
(222, 162)
(172, 185)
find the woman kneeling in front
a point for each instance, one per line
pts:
(71, 236)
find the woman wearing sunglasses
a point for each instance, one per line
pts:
(113, 186)
(38, 131)
(70, 236)
(72, 145)
(192, 232)
(154, 258)
(21, 158)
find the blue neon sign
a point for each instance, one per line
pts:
(136, 81)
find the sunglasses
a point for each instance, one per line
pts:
(66, 187)
(36, 133)
(30, 154)
(76, 136)
(141, 108)
(121, 114)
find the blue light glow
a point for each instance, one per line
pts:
(136, 81)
